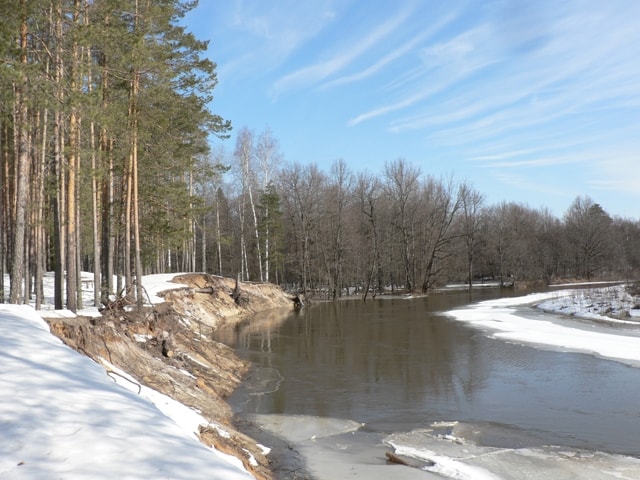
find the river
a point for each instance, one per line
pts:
(397, 370)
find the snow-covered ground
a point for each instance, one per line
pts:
(612, 305)
(62, 416)
(153, 285)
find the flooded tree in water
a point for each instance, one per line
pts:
(401, 186)
(472, 219)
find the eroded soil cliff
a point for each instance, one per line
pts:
(168, 347)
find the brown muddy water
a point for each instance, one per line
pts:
(399, 364)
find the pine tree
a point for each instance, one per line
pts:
(104, 94)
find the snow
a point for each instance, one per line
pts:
(62, 416)
(153, 285)
(506, 319)
(156, 284)
(609, 304)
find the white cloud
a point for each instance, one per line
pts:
(319, 71)
(443, 66)
(502, 155)
(538, 186)
(263, 35)
(404, 49)
(618, 171)
(504, 85)
(561, 68)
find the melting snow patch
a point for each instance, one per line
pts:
(140, 338)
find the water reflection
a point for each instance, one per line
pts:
(396, 364)
(258, 328)
(347, 359)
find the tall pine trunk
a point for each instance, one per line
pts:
(4, 197)
(57, 193)
(107, 232)
(22, 171)
(95, 197)
(73, 292)
(95, 207)
(40, 235)
(133, 213)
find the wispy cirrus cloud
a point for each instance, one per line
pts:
(444, 65)
(510, 91)
(319, 71)
(377, 66)
(268, 33)
(525, 182)
(545, 160)
(395, 53)
(551, 68)
(618, 170)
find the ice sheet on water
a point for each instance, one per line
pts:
(262, 381)
(335, 448)
(297, 428)
(457, 457)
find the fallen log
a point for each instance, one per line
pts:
(393, 458)
(204, 290)
(298, 302)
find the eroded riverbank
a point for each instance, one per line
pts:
(169, 347)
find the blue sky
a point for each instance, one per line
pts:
(530, 101)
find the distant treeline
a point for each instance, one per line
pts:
(342, 231)
(106, 167)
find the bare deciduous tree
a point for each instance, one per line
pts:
(401, 187)
(268, 156)
(336, 199)
(440, 203)
(244, 156)
(368, 194)
(588, 228)
(301, 188)
(471, 202)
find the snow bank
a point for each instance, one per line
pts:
(507, 320)
(61, 416)
(161, 282)
(153, 286)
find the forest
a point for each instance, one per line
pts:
(112, 162)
